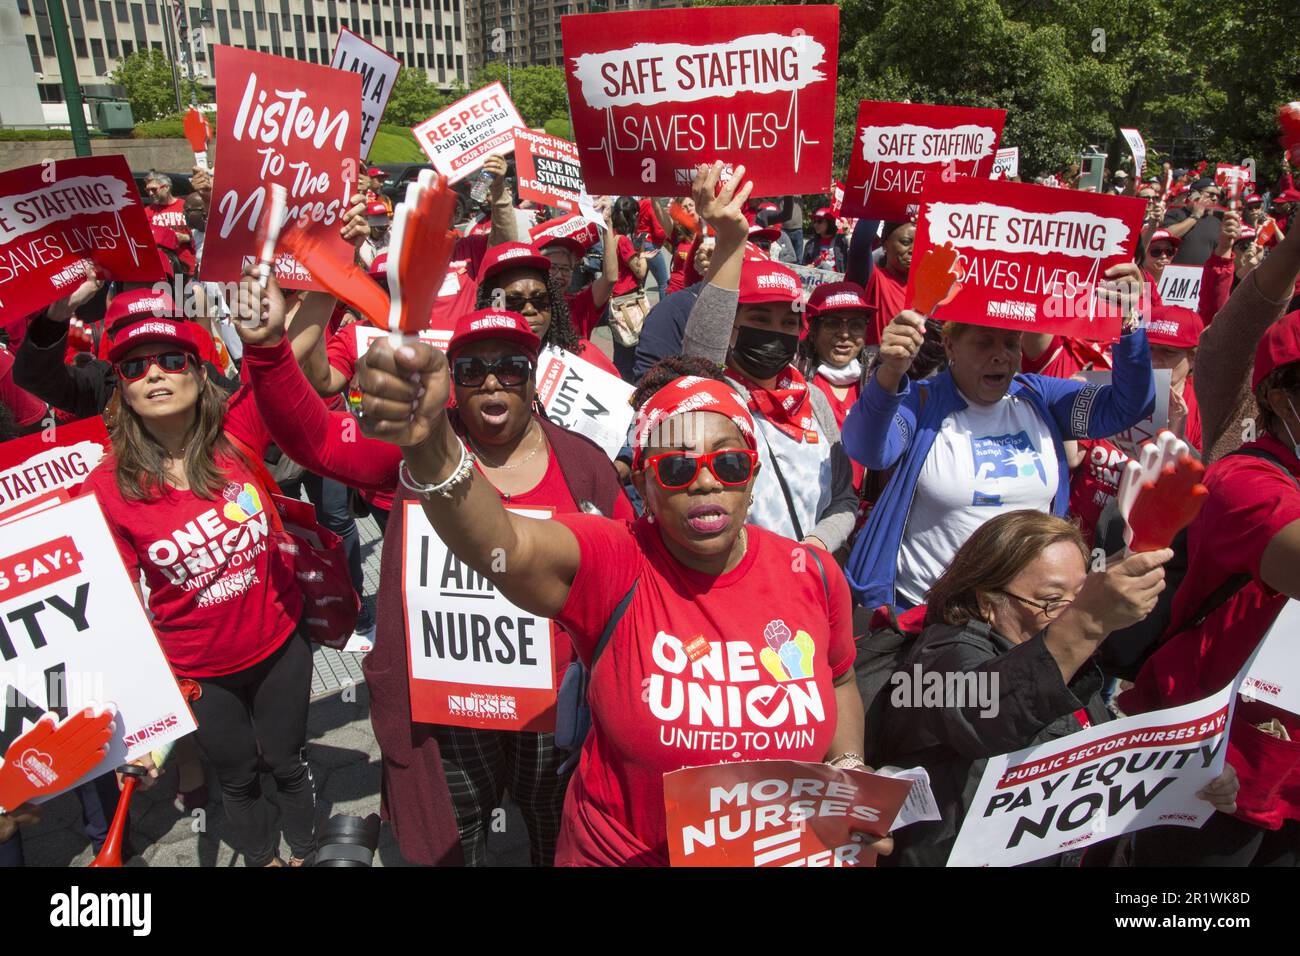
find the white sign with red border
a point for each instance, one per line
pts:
(459, 138)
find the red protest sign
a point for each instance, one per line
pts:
(573, 230)
(56, 217)
(1030, 256)
(288, 122)
(37, 464)
(547, 170)
(459, 138)
(896, 144)
(652, 97)
(777, 813)
(1232, 181)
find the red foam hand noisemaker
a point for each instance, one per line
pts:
(1288, 117)
(419, 251)
(1160, 493)
(198, 133)
(53, 755)
(344, 279)
(935, 280)
(687, 220)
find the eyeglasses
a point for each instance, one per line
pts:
(540, 301)
(856, 327)
(134, 369)
(511, 371)
(1051, 610)
(675, 470)
(1163, 252)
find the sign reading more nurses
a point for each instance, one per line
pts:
(651, 97)
(476, 660)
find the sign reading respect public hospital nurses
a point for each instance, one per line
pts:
(777, 813)
(1113, 778)
(476, 659)
(584, 399)
(458, 139)
(73, 633)
(288, 122)
(651, 97)
(548, 170)
(1032, 255)
(59, 216)
(897, 144)
(378, 72)
(32, 466)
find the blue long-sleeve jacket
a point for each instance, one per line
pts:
(883, 430)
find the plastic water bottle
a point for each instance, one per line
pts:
(482, 183)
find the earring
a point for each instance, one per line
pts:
(650, 517)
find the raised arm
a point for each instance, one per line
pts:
(505, 228)
(708, 330)
(532, 562)
(39, 367)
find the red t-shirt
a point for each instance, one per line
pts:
(1065, 357)
(647, 221)
(172, 216)
(460, 285)
(1095, 482)
(583, 312)
(885, 294)
(27, 408)
(841, 409)
(1250, 501)
(654, 712)
(222, 596)
(677, 276)
(627, 282)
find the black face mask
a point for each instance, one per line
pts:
(763, 353)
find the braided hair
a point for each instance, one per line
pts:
(671, 368)
(560, 332)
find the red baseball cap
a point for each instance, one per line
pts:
(376, 209)
(135, 304)
(378, 268)
(837, 297)
(1251, 199)
(765, 233)
(763, 280)
(177, 332)
(824, 213)
(512, 255)
(1287, 196)
(1279, 346)
(494, 324)
(1174, 326)
(1166, 236)
(573, 231)
(1246, 233)
(374, 172)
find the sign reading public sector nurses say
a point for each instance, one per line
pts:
(653, 96)
(288, 122)
(897, 144)
(58, 217)
(460, 138)
(1032, 255)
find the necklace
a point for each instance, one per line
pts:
(519, 464)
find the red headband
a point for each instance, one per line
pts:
(690, 393)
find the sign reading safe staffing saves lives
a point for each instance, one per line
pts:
(1032, 255)
(651, 97)
(476, 659)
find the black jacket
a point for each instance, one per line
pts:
(79, 390)
(1030, 705)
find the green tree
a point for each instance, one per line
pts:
(413, 99)
(146, 76)
(538, 92)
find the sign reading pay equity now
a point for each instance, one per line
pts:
(652, 97)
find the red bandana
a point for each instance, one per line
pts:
(788, 405)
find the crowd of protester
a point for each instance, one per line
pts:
(831, 421)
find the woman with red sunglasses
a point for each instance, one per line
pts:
(188, 515)
(724, 641)
(442, 783)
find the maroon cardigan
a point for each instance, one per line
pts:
(414, 795)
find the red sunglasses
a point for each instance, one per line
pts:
(133, 369)
(675, 470)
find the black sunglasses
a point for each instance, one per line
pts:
(540, 301)
(131, 369)
(510, 371)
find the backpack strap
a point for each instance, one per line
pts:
(614, 618)
(826, 587)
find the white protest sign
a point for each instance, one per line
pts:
(810, 278)
(1117, 777)
(1006, 162)
(1181, 286)
(1137, 147)
(73, 633)
(1273, 672)
(584, 399)
(367, 333)
(458, 139)
(1130, 440)
(378, 72)
(476, 659)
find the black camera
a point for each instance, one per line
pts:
(347, 841)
